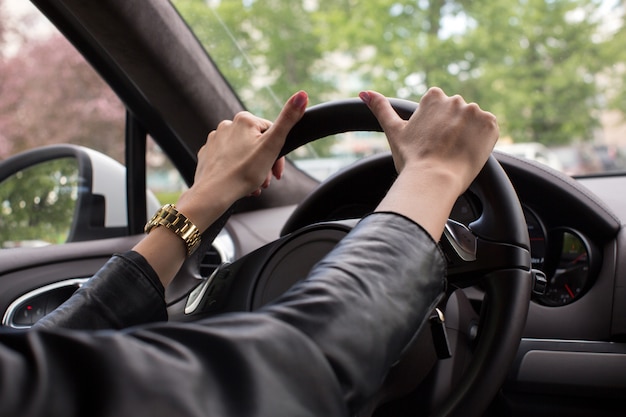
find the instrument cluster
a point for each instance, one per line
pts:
(569, 260)
(565, 256)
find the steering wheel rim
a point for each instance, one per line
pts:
(500, 230)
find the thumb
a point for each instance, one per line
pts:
(382, 110)
(290, 114)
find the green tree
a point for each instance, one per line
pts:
(615, 52)
(266, 49)
(259, 44)
(38, 203)
(544, 65)
(397, 47)
(49, 94)
(546, 68)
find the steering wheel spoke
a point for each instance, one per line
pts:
(470, 257)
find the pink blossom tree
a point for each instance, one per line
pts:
(49, 94)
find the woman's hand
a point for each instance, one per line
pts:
(443, 133)
(437, 152)
(239, 159)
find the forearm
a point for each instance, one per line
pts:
(128, 290)
(229, 366)
(424, 195)
(238, 159)
(123, 293)
(363, 303)
(163, 249)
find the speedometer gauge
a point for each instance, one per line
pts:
(568, 278)
(537, 236)
(564, 255)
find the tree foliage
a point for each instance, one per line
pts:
(37, 204)
(546, 68)
(2, 24)
(49, 94)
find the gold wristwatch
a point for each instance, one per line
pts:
(175, 221)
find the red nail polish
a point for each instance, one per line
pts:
(365, 96)
(300, 99)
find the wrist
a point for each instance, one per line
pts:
(202, 209)
(425, 194)
(172, 219)
(444, 179)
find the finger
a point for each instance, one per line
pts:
(268, 180)
(264, 124)
(259, 123)
(435, 97)
(290, 114)
(247, 119)
(278, 168)
(224, 124)
(381, 108)
(277, 172)
(434, 92)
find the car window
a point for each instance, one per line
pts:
(163, 180)
(49, 96)
(553, 72)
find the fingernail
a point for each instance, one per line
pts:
(365, 96)
(300, 99)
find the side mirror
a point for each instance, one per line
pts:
(62, 193)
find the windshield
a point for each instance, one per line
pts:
(552, 71)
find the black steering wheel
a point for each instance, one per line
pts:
(492, 251)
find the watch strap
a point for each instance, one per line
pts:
(169, 217)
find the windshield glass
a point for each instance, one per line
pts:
(552, 71)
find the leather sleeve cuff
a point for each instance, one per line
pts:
(124, 292)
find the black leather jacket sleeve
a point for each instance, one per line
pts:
(321, 349)
(124, 292)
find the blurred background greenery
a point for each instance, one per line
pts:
(549, 69)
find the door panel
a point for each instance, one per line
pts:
(24, 271)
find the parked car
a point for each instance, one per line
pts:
(579, 159)
(533, 151)
(611, 157)
(558, 349)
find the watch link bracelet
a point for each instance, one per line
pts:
(169, 217)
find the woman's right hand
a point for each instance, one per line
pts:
(444, 133)
(437, 152)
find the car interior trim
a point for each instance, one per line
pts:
(567, 366)
(10, 315)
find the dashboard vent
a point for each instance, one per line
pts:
(222, 250)
(211, 260)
